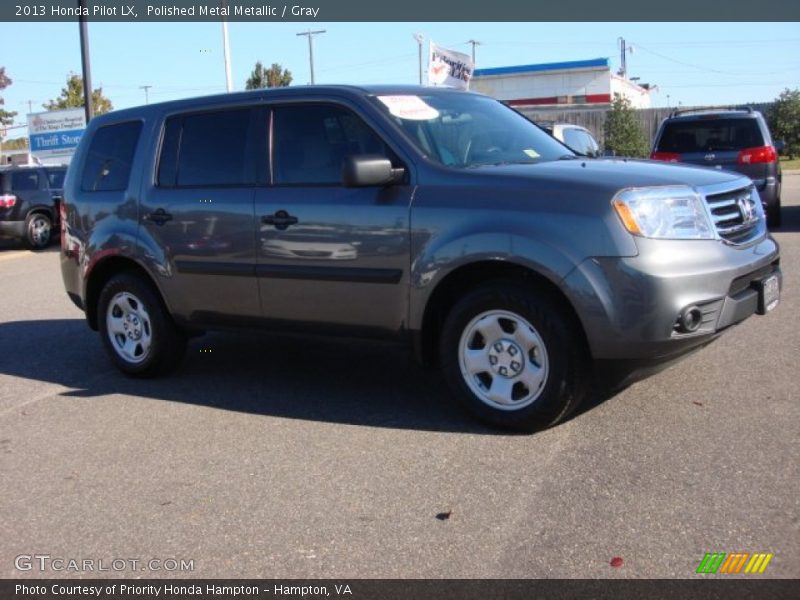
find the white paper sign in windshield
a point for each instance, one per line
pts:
(412, 108)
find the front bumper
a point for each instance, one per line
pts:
(629, 306)
(12, 229)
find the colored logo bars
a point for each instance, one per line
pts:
(734, 563)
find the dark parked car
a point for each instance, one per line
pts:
(733, 139)
(431, 216)
(29, 203)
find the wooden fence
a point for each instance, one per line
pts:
(594, 118)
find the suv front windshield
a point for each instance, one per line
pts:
(463, 130)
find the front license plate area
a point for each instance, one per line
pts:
(769, 294)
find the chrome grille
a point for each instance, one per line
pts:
(735, 214)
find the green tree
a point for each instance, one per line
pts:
(72, 97)
(6, 117)
(275, 76)
(784, 121)
(623, 131)
(15, 144)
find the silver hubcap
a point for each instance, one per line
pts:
(128, 326)
(503, 360)
(40, 231)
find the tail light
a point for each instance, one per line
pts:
(665, 156)
(760, 154)
(7, 200)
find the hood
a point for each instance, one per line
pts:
(611, 175)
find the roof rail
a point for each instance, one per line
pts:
(675, 113)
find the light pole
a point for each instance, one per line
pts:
(226, 51)
(420, 38)
(87, 71)
(146, 96)
(311, 35)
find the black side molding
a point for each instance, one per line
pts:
(349, 274)
(345, 274)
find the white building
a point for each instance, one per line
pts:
(579, 82)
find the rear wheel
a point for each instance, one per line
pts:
(38, 231)
(513, 357)
(136, 329)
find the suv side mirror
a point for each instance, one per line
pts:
(780, 145)
(366, 170)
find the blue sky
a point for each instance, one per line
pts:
(693, 63)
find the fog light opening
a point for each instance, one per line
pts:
(690, 319)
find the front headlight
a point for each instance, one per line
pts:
(673, 212)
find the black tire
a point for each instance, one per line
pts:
(167, 343)
(38, 230)
(567, 361)
(774, 215)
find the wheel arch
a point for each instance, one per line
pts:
(469, 276)
(104, 270)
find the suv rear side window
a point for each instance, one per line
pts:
(211, 149)
(708, 135)
(24, 181)
(108, 163)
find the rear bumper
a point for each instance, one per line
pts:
(767, 190)
(629, 306)
(12, 229)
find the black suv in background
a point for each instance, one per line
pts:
(735, 139)
(29, 203)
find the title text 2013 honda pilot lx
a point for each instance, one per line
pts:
(440, 217)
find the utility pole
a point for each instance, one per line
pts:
(474, 43)
(146, 96)
(30, 106)
(310, 34)
(623, 54)
(420, 38)
(85, 63)
(226, 51)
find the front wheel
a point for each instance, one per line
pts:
(136, 329)
(513, 357)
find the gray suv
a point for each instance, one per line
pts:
(436, 217)
(735, 139)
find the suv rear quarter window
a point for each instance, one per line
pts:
(108, 161)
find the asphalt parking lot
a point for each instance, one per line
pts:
(275, 457)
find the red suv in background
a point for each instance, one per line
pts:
(735, 139)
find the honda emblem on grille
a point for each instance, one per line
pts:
(710, 156)
(747, 210)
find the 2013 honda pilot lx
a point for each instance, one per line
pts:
(439, 217)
